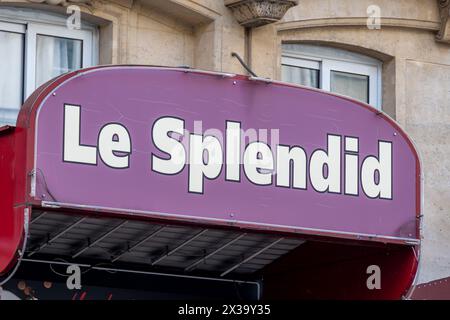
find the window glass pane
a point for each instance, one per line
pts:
(11, 75)
(303, 76)
(351, 85)
(55, 56)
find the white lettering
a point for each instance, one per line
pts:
(114, 138)
(258, 163)
(205, 154)
(331, 160)
(233, 151)
(205, 160)
(162, 128)
(376, 173)
(286, 155)
(73, 150)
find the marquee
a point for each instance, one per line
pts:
(222, 149)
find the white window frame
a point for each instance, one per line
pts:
(10, 112)
(302, 62)
(35, 29)
(12, 27)
(326, 63)
(31, 23)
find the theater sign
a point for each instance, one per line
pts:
(213, 150)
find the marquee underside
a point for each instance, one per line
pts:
(121, 243)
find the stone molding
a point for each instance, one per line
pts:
(256, 13)
(357, 22)
(63, 2)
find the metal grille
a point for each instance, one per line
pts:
(181, 249)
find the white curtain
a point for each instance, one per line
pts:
(56, 56)
(11, 75)
(351, 85)
(303, 76)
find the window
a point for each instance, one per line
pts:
(12, 44)
(34, 48)
(301, 71)
(333, 70)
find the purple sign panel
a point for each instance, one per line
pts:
(222, 149)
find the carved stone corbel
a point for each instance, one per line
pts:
(444, 11)
(63, 3)
(255, 13)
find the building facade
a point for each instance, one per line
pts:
(394, 55)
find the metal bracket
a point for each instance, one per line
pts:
(241, 61)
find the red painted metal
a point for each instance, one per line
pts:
(317, 270)
(15, 160)
(11, 219)
(433, 290)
